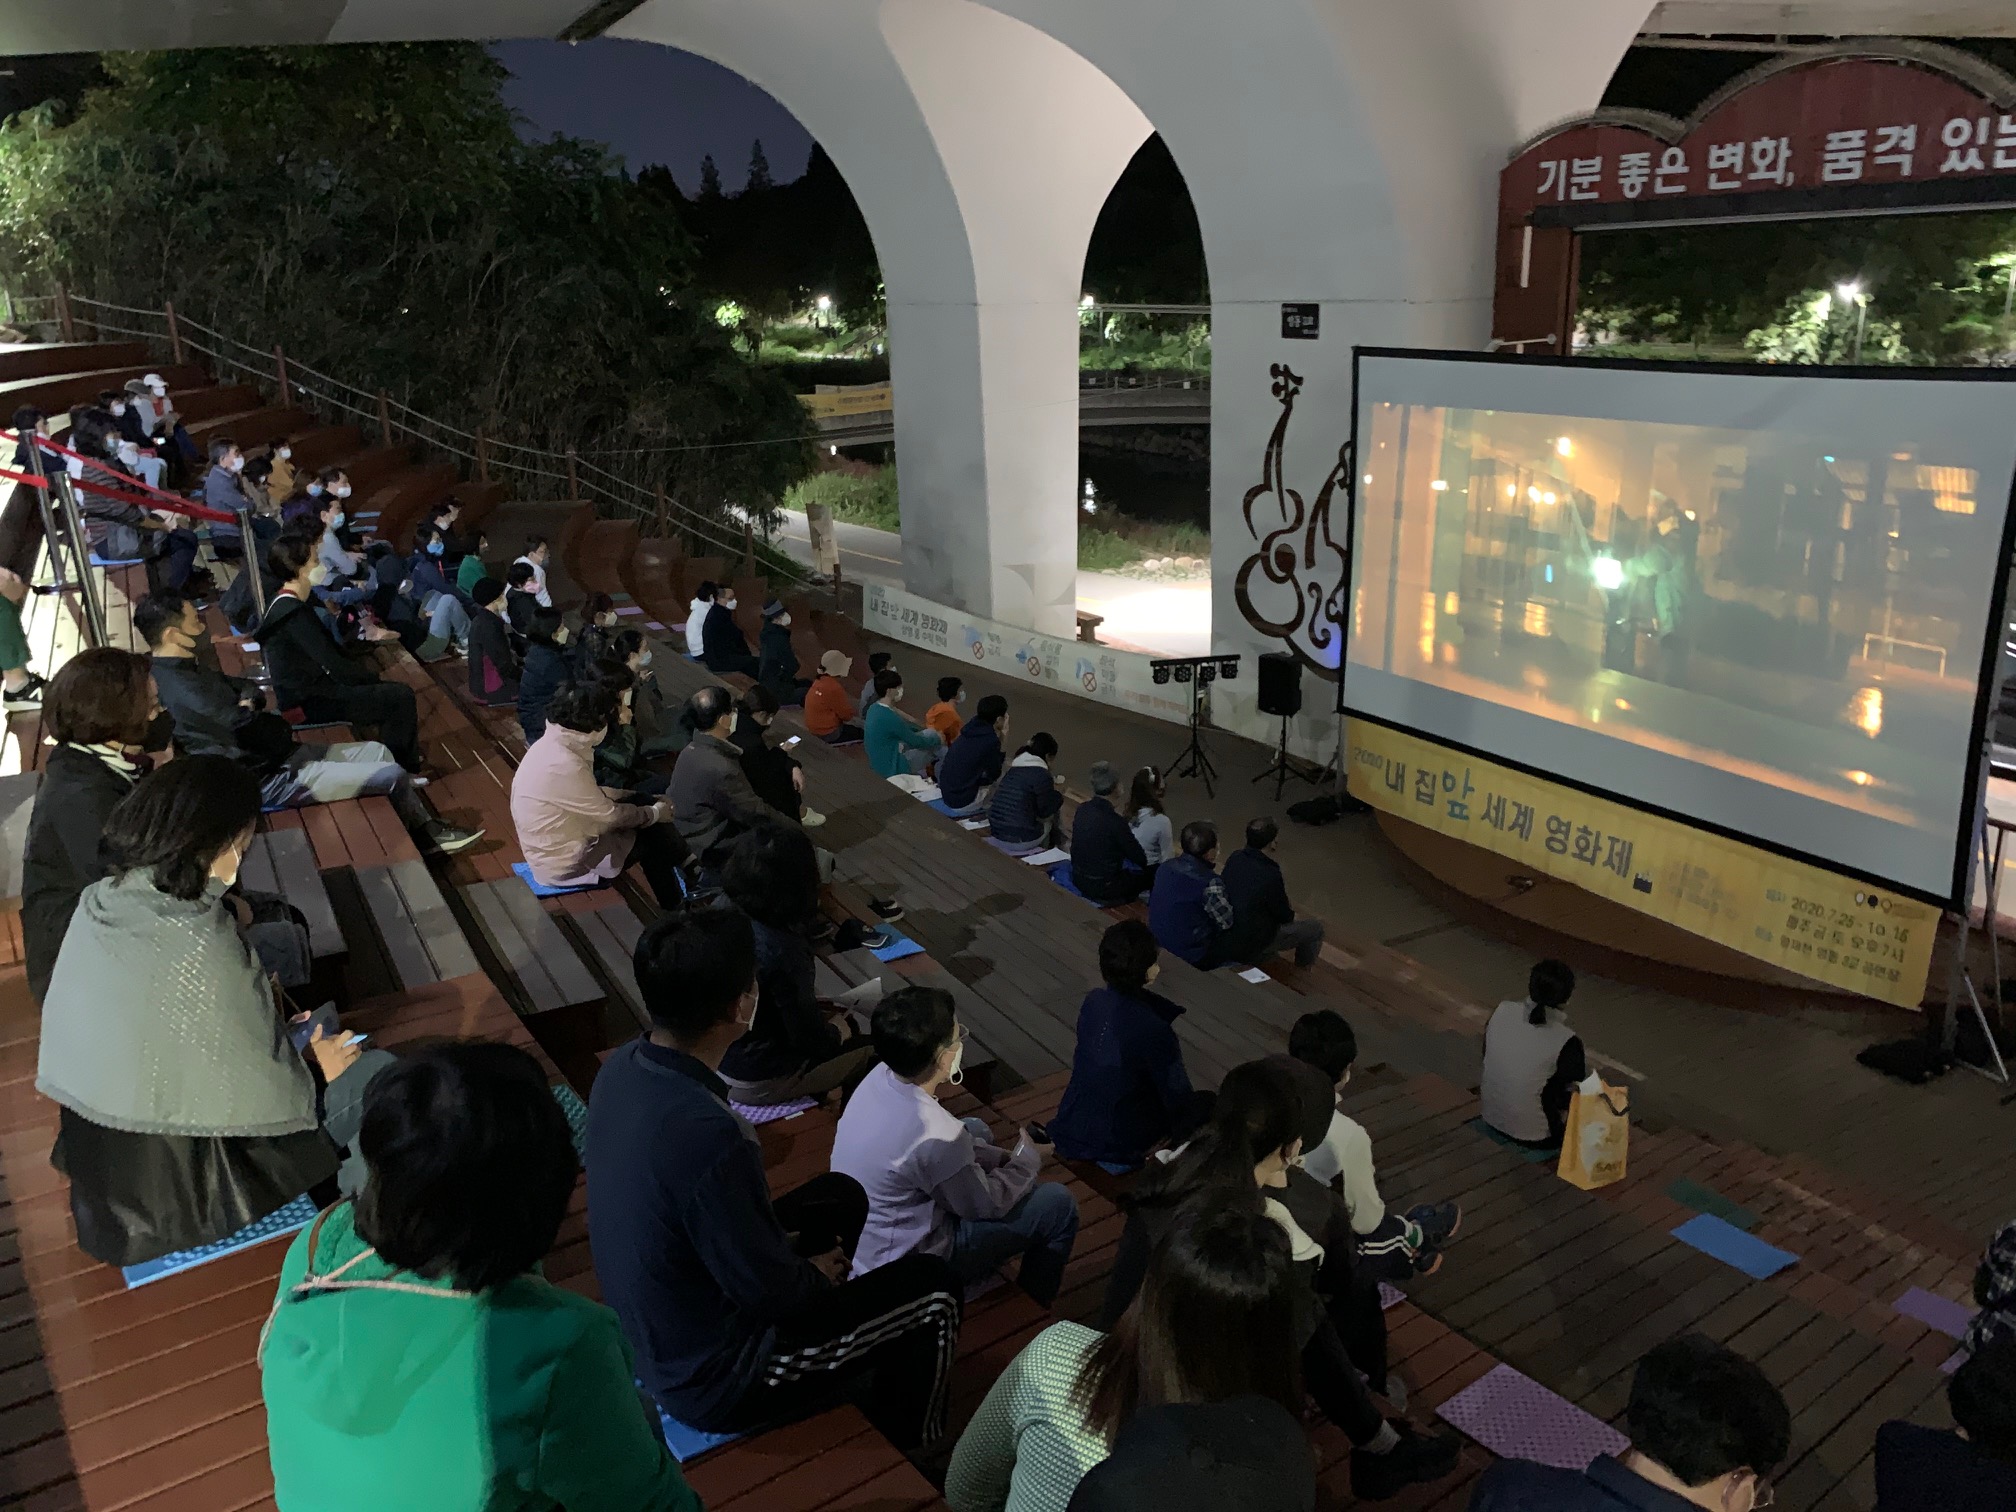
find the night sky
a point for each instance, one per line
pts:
(651, 104)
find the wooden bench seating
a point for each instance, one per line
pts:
(530, 948)
(282, 861)
(419, 933)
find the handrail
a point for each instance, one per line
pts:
(180, 331)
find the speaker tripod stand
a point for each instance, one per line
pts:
(1283, 766)
(1193, 760)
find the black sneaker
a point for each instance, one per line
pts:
(1417, 1459)
(29, 692)
(445, 839)
(1438, 1221)
(888, 910)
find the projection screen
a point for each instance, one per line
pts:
(1762, 602)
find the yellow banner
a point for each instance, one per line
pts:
(829, 403)
(1824, 926)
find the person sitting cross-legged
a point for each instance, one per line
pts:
(726, 647)
(972, 764)
(659, 732)
(548, 663)
(1129, 1090)
(619, 760)
(775, 774)
(1922, 1469)
(537, 553)
(937, 1184)
(943, 716)
(1022, 813)
(186, 1111)
(1263, 920)
(779, 662)
(1532, 1060)
(494, 668)
(1107, 862)
(696, 619)
(471, 569)
(829, 712)
(415, 1359)
(1187, 907)
(1706, 1427)
(1213, 1329)
(739, 1307)
(798, 1045)
(311, 672)
(1392, 1246)
(521, 600)
(710, 790)
(217, 715)
(575, 833)
(895, 746)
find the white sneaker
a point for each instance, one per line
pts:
(811, 818)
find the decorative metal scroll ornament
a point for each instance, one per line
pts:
(1303, 570)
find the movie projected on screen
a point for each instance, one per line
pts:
(1757, 602)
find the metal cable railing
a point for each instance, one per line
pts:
(584, 479)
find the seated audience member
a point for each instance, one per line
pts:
(1263, 920)
(307, 503)
(777, 666)
(1994, 1292)
(619, 760)
(1107, 862)
(878, 663)
(738, 1307)
(1214, 1323)
(1920, 1469)
(659, 732)
(97, 713)
(19, 687)
(1532, 1060)
(1188, 908)
(223, 489)
(530, 1395)
(1150, 823)
(710, 791)
(829, 713)
(241, 609)
(938, 1184)
(1705, 1426)
(972, 764)
(943, 716)
(521, 599)
(1128, 1090)
(726, 648)
(116, 529)
(178, 1128)
(342, 563)
(1022, 813)
(158, 413)
(547, 664)
(572, 832)
(470, 570)
(797, 1046)
(1392, 1246)
(593, 639)
(773, 772)
(311, 672)
(1253, 1141)
(216, 715)
(442, 516)
(494, 668)
(896, 747)
(537, 553)
(140, 451)
(696, 619)
(282, 478)
(1246, 1453)
(437, 598)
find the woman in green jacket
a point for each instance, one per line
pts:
(415, 1360)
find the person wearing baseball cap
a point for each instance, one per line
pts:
(777, 663)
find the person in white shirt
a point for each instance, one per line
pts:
(1392, 1245)
(1532, 1061)
(696, 619)
(939, 1185)
(536, 553)
(1151, 826)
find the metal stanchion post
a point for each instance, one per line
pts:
(73, 529)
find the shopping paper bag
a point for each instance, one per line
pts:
(1598, 1135)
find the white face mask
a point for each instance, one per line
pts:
(605, 620)
(237, 860)
(129, 453)
(643, 658)
(961, 697)
(284, 453)
(235, 465)
(728, 604)
(119, 408)
(340, 491)
(317, 575)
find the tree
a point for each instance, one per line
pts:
(710, 178)
(373, 209)
(759, 169)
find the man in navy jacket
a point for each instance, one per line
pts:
(973, 761)
(1107, 862)
(1263, 920)
(737, 1308)
(1188, 909)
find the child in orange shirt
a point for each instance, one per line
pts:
(943, 716)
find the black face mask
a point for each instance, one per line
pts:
(160, 732)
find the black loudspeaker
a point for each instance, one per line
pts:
(1280, 683)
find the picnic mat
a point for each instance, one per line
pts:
(771, 1112)
(295, 1216)
(1941, 1314)
(1729, 1244)
(899, 946)
(1515, 1417)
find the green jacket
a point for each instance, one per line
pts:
(521, 1399)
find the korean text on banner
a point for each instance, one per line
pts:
(1817, 923)
(1123, 679)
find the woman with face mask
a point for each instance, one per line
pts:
(281, 481)
(184, 1119)
(659, 731)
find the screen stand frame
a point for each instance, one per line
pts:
(1985, 850)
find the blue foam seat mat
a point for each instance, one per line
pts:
(1723, 1241)
(577, 1117)
(939, 805)
(541, 890)
(1525, 1152)
(899, 946)
(292, 1218)
(688, 1443)
(98, 561)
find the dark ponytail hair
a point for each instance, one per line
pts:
(178, 820)
(1258, 1111)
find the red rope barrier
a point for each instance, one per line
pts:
(138, 493)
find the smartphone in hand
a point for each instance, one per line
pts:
(792, 740)
(301, 1028)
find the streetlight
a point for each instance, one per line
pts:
(1852, 292)
(824, 304)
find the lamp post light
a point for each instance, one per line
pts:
(824, 304)
(1852, 292)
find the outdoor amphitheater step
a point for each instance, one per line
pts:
(42, 359)
(60, 391)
